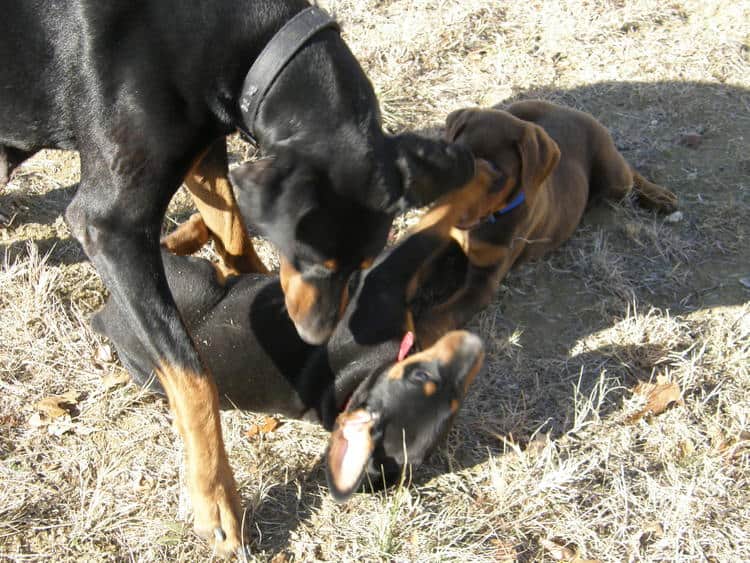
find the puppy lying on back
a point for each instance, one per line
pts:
(552, 161)
(386, 408)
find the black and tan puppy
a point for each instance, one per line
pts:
(553, 160)
(386, 409)
(146, 91)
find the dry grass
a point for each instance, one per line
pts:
(543, 450)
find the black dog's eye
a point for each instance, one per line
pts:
(420, 375)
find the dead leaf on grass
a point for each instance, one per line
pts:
(732, 448)
(280, 557)
(104, 354)
(650, 534)
(659, 397)
(116, 378)
(560, 551)
(56, 412)
(56, 406)
(505, 552)
(269, 425)
(537, 445)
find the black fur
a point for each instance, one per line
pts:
(260, 363)
(142, 87)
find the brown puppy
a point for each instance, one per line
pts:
(552, 160)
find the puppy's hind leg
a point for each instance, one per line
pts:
(613, 178)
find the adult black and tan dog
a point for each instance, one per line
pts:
(146, 90)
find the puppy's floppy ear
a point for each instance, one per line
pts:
(539, 155)
(349, 450)
(456, 122)
(431, 168)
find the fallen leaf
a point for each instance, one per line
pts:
(561, 552)
(269, 425)
(505, 552)
(536, 446)
(691, 139)
(659, 397)
(557, 551)
(56, 406)
(104, 354)
(732, 448)
(119, 377)
(280, 557)
(650, 534)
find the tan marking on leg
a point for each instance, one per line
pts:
(194, 401)
(211, 190)
(455, 404)
(188, 238)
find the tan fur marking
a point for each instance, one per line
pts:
(444, 351)
(300, 296)
(331, 264)
(188, 238)
(194, 401)
(455, 404)
(212, 194)
(366, 263)
(429, 388)
(473, 373)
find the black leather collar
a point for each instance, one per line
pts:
(275, 55)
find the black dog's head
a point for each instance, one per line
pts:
(329, 221)
(398, 414)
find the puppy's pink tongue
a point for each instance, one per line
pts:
(406, 345)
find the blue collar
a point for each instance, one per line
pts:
(518, 200)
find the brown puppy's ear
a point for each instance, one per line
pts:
(539, 155)
(430, 168)
(456, 122)
(349, 451)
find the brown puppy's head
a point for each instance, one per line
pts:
(330, 221)
(522, 151)
(399, 414)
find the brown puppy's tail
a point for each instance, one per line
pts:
(653, 196)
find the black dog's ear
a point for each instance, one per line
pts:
(250, 182)
(431, 168)
(259, 188)
(349, 450)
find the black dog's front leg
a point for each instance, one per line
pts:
(116, 215)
